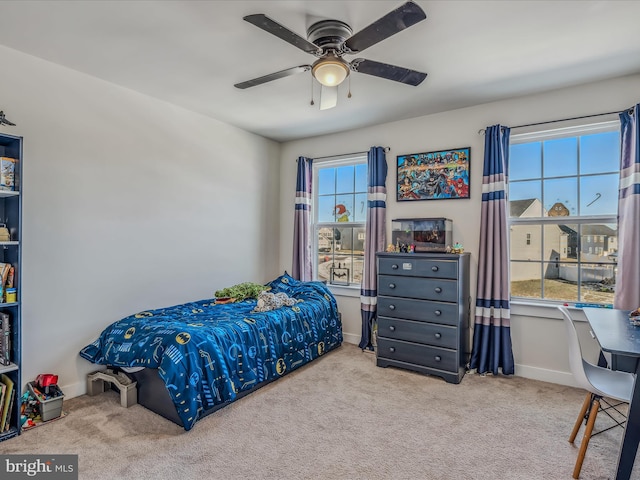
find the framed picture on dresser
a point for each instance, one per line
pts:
(436, 175)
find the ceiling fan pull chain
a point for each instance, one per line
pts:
(312, 102)
(349, 94)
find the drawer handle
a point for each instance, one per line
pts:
(438, 335)
(392, 349)
(434, 269)
(392, 307)
(437, 358)
(438, 313)
(394, 267)
(392, 328)
(438, 290)
(392, 285)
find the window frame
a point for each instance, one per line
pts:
(542, 221)
(332, 162)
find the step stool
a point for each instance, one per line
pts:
(97, 383)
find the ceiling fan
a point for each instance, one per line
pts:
(330, 40)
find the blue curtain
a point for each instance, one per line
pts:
(302, 268)
(627, 296)
(492, 329)
(374, 241)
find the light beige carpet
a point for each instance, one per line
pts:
(340, 417)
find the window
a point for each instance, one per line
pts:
(339, 219)
(563, 199)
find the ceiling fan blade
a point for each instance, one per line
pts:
(390, 72)
(273, 76)
(393, 22)
(328, 97)
(274, 28)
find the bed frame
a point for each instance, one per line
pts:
(153, 393)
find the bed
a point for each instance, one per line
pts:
(191, 359)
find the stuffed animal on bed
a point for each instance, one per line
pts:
(241, 292)
(270, 301)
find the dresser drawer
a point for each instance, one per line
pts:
(418, 267)
(418, 332)
(433, 357)
(414, 287)
(421, 310)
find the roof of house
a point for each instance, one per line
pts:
(518, 207)
(591, 230)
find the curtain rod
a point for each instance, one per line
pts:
(630, 110)
(386, 150)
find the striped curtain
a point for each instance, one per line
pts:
(374, 241)
(492, 329)
(627, 296)
(302, 268)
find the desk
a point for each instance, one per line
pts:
(616, 335)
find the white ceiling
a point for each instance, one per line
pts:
(191, 53)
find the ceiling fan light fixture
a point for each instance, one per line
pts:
(331, 71)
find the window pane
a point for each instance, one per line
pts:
(326, 206)
(324, 262)
(553, 241)
(524, 199)
(341, 254)
(560, 289)
(345, 238)
(358, 241)
(599, 194)
(561, 197)
(345, 177)
(560, 157)
(525, 161)
(358, 263)
(525, 280)
(360, 214)
(344, 208)
(361, 177)
(599, 243)
(600, 152)
(597, 283)
(567, 241)
(326, 181)
(328, 240)
(526, 242)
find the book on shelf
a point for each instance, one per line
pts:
(11, 400)
(7, 400)
(5, 339)
(5, 268)
(3, 390)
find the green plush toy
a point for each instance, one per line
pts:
(242, 291)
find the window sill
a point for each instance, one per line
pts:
(344, 290)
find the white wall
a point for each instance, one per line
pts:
(129, 203)
(541, 355)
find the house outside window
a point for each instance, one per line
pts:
(339, 219)
(563, 199)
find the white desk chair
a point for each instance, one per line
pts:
(599, 382)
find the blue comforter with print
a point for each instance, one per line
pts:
(207, 354)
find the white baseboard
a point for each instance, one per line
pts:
(542, 374)
(351, 338)
(74, 389)
(552, 376)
